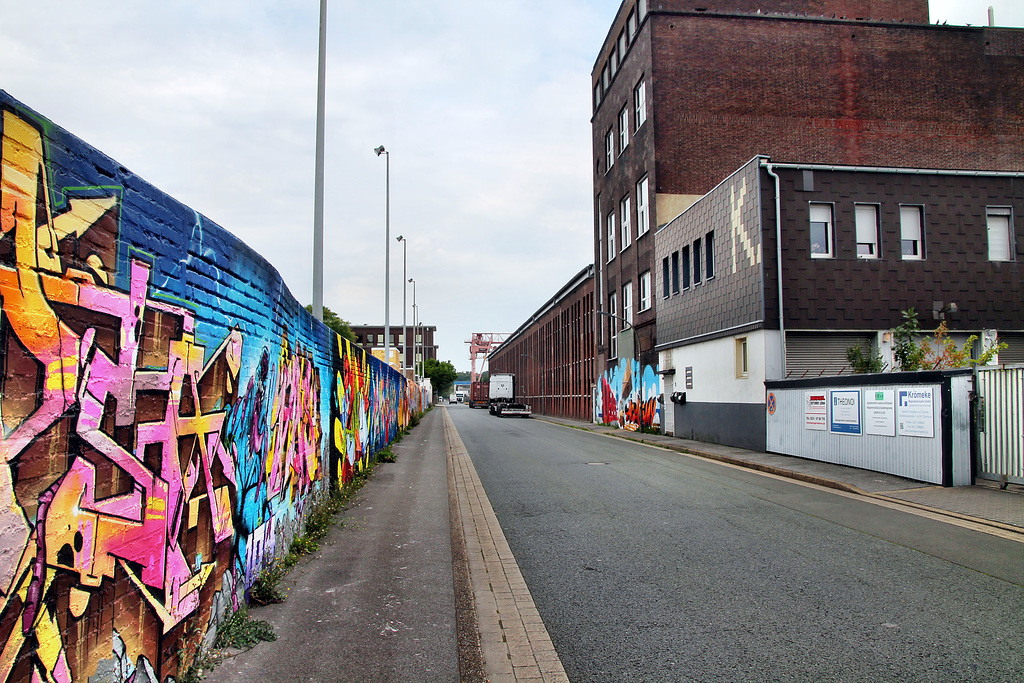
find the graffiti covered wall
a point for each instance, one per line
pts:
(168, 410)
(627, 397)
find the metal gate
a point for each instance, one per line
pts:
(1001, 423)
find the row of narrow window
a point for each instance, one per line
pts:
(643, 219)
(618, 51)
(617, 138)
(912, 246)
(682, 269)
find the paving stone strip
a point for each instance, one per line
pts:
(514, 642)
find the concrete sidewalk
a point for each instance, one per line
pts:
(985, 503)
(377, 602)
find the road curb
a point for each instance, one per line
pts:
(514, 642)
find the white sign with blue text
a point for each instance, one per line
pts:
(844, 411)
(915, 411)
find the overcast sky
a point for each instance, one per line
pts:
(484, 107)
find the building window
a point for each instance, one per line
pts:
(1000, 243)
(696, 261)
(614, 60)
(675, 272)
(640, 103)
(866, 216)
(709, 255)
(606, 76)
(611, 236)
(597, 95)
(613, 309)
(627, 302)
(645, 290)
(609, 150)
(641, 8)
(685, 258)
(419, 338)
(742, 366)
(631, 25)
(821, 231)
(627, 232)
(665, 277)
(400, 339)
(622, 46)
(623, 128)
(369, 339)
(643, 208)
(912, 232)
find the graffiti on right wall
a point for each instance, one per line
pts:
(627, 397)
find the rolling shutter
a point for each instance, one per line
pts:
(815, 354)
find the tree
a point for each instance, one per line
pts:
(333, 321)
(441, 373)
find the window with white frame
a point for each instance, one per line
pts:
(631, 25)
(821, 231)
(1000, 242)
(624, 222)
(645, 290)
(641, 8)
(912, 232)
(640, 103)
(610, 223)
(866, 218)
(742, 362)
(627, 302)
(609, 149)
(623, 128)
(643, 208)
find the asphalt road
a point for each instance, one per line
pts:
(648, 565)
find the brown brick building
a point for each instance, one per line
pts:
(685, 92)
(552, 353)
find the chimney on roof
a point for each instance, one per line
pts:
(991, 15)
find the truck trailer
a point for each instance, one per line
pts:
(502, 396)
(479, 395)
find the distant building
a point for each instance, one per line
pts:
(686, 91)
(552, 353)
(847, 249)
(371, 337)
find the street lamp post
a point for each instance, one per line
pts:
(387, 251)
(318, 179)
(405, 288)
(415, 326)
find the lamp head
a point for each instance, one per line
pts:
(400, 238)
(379, 150)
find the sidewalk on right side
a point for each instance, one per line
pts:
(983, 503)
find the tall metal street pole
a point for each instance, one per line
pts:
(415, 327)
(387, 252)
(318, 182)
(405, 289)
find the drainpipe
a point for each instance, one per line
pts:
(778, 258)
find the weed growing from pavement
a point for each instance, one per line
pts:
(242, 631)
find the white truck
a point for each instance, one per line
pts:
(502, 397)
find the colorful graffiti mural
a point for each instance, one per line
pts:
(140, 485)
(627, 397)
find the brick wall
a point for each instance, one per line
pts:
(552, 354)
(832, 92)
(169, 412)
